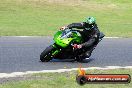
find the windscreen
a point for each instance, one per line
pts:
(66, 33)
(69, 33)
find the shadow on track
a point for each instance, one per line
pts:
(72, 61)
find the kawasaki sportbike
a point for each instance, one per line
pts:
(63, 46)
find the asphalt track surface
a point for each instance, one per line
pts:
(21, 54)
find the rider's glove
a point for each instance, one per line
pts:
(63, 28)
(75, 46)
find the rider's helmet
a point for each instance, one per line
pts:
(90, 20)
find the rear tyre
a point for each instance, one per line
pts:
(46, 55)
(83, 56)
(79, 59)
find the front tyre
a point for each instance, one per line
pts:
(46, 55)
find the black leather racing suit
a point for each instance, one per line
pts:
(90, 34)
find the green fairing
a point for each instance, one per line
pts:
(64, 42)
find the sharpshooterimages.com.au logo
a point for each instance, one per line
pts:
(83, 78)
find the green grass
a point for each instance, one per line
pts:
(65, 80)
(45, 17)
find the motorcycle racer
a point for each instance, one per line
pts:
(90, 34)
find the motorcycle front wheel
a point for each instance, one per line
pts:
(46, 55)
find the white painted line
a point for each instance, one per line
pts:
(47, 36)
(113, 37)
(113, 67)
(15, 74)
(24, 36)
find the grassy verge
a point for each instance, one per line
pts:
(44, 17)
(64, 80)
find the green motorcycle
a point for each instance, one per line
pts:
(63, 46)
